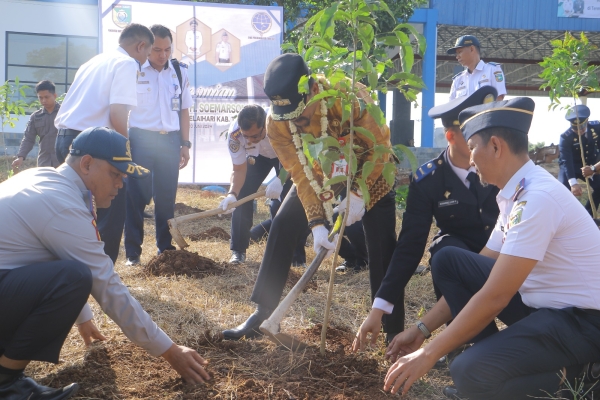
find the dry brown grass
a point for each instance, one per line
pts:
(194, 311)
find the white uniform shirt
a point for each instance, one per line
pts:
(484, 74)
(155, 91)
(223, 49)
(108, 78)
(49, 220)
(240, 149)
(548, 224)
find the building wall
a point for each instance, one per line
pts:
(44, 17)
(510, 14)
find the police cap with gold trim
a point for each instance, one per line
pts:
(464, 41)
(449, 112)
(581, 112)
(515, 114)
(281, 85)
(108, 145)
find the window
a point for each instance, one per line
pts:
(34, 57)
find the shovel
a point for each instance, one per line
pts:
(270, 326)
(174, 223)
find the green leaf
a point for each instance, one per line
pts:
(364, 132)
(335, 179)
(346, 111)
(412, 159)
(303, 84)
(283, 175)
(367, 168)
(389, 173)
(376, 113)
(364, 189)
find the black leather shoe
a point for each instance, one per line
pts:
(132, 261)
(147, 215)
(26, 388)
(452, 393)
(248, 329)
(237, 257)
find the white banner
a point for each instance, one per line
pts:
(579, 8)
(227, 49)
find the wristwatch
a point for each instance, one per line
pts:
(186, 143)
(423, 329)
(593, 168)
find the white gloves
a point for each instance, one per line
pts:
(226, 202)
(274, 189)
(357, 208)
(320, 234)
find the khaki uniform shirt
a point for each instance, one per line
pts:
(41, 123)
(47, 216)
(280, 135)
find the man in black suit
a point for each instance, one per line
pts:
(448, 189)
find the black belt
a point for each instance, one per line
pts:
(159, 132)
(68, 132)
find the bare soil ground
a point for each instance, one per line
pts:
(216, 232)
(194, 295)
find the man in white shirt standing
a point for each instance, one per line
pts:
(102, 93)
(538, 274)
(159, 131)
(253, 158)
(223, 50)
(51, 260)
(476, 73)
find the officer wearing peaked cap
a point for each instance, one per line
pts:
(582, 132)
(52, 259)
(538, 274)
(476, 73)
(447, 189)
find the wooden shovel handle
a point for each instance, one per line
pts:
(219, 210)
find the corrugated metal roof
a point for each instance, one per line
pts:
(510, 14)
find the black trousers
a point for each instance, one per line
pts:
(525, 359)
(290, 222)
(261, 230)
(242, 218)
(111, 220)
(40, 303)
(594, 184)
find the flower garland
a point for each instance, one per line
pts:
(325, 194)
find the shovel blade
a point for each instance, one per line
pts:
(285, 340)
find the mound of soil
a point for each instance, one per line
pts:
(295, 275)
(182, 262)
(184, 209)
(213, 233)
(252, 369)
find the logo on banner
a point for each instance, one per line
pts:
(121, 15)
(262, 22)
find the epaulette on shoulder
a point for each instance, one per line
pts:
(457, 75)
(494, 64)
(183, 65)
(424, 170)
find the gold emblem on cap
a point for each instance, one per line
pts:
(128, 149)
(282, 102)
(488, 99)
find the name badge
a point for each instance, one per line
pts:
(446, 203)
(175, 101)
